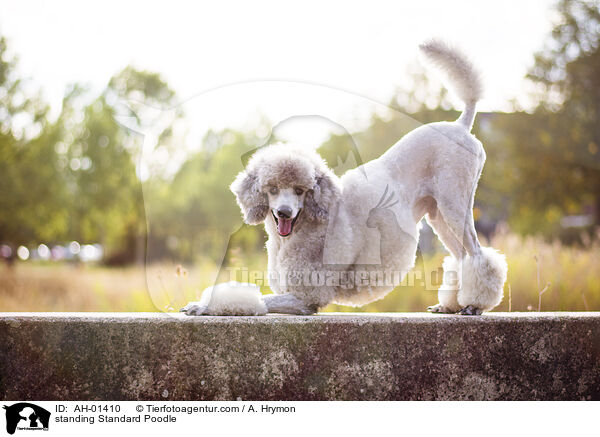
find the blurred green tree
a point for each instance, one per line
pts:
(104, 158)
(553, 163)
(32, 189)
(195, 213)
(105, 194)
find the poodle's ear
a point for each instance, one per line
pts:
(253, 203)
(320, 198)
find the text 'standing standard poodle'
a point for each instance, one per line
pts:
(350, 240)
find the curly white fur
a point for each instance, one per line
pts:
(229, 299)
(483, 278)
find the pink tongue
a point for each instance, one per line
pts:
(284, 226)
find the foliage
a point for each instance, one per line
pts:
(552, 155)
(105, 195)
(194, 211)
(31, 194)
(74, 178)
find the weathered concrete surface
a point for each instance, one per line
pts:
(118, 356)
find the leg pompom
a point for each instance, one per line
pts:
(228, 299)
(483, 278)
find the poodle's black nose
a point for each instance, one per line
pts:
(284, 212)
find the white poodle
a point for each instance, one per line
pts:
(350, 240)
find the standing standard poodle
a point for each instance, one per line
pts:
(350, 240)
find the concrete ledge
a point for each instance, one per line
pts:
(124, 356)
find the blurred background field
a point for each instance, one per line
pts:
(569, 273)
(103, 209)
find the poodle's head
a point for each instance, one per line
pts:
(286, 184)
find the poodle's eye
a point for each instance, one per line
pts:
(273, 190)
(299, 191)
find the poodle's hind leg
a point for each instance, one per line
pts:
(448, 291)
(483, 269)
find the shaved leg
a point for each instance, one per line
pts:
(288, 304)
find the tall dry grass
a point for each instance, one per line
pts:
(570, 273)
(64, 287)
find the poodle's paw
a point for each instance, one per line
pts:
(440, 309)
(228, 299)
(308, 311)
(195, 309)
(470, 310)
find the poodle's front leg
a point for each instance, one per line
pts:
(288, 304)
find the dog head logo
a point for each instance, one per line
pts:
(26, 416)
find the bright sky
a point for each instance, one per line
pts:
(360, 49)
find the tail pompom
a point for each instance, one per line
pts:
(464, 78)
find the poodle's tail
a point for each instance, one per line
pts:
(462, 75)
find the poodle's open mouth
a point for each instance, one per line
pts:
(285, 226)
